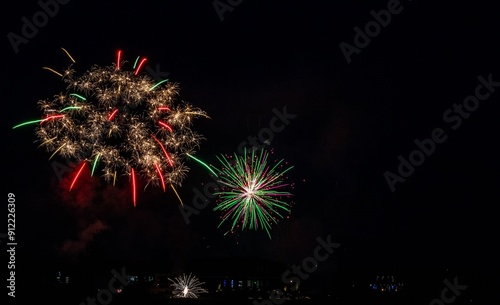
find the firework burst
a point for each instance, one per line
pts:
(187, 286)
(252, 191)
(119, 123)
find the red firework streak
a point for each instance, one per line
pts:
(158, 170)
(112, 114)
(164, 151)
(52, 117)
(165, 125)
(139, 66)
(118, 59)
(132, 175)
(77, 175)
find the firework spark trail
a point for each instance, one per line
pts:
(120, 122)
(202, 163)
(134, 193)
(160, 174)
(77, 175)
(252, 191)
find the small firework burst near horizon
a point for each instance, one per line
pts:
(119, 122)
(187, 286)
(253, 191)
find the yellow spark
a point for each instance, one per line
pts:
(177, 195)
(197, 113)
(52, 70)
(55, 152)
(45, 142)
(67, 53)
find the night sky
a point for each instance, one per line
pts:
(352, 121)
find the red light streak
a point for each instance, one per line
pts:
(139, 66)
(77, 175)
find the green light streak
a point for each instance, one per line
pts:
(71, 108)
(157, 84)
(136, 60)
(27, 123)
(78, 96)
(95, 164)
(202, 163)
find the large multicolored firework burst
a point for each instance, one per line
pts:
(187, 286)
(120, 122)
(252, 191)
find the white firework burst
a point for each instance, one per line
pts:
(187, 286)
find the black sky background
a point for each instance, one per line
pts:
(353, 121)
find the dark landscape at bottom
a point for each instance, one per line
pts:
(419, 288)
